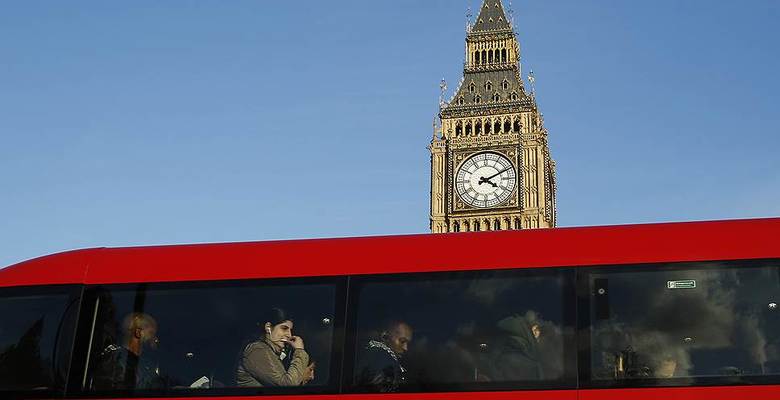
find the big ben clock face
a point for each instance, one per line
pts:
(485, 180)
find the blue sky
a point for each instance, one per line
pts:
(147, 122)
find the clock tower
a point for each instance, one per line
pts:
(491, 167)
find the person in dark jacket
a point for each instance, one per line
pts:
(379, 366)
(516, 357)
(122, 366)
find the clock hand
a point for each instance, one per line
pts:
(486, 180)
(496, 174)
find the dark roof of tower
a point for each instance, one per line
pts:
(489, 86)
(491, 17)
(504, 83)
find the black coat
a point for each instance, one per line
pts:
(378, 370)
(120, 369)
(516, 357)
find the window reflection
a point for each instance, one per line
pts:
(460, 330)
(173, 337)
(35, 335)
(704, 320)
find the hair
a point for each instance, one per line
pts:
(389, 325)
(274, 316)
(137, 320)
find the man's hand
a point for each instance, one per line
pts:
(296, 342)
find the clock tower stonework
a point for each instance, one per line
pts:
(491, 167)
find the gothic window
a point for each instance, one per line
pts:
(456, 227)
(490, 57)
(503, 55)
(477, 227)
(487, 127)
(484, 57)
(465, 226)
(505, 84)
(461, 100)
(458, 129)
(507, 125)
(478, 128)
(498, 55)
(476, 57)
(516, 126)
(497, 126)
(497, 225)
(472, 87)
(489, 86)
(514, 96)
(517, 223)
(468, 128)
(496, 97)
(477, 99)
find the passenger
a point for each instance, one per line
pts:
(516, 356)
(123, 367)
(379, 366)
(666, 367)
(277, 358)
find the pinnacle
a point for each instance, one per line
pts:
(491, 17)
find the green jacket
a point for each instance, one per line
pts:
(261, 365)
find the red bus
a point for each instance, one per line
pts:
(673, 311)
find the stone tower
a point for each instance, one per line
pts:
(491, 167)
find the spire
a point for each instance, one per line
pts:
(491, 17)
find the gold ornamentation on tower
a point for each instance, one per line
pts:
(491, 167)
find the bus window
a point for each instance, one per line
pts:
(676, 324)
(36, 334)
(224, 337)
(487, 330)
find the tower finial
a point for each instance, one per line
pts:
(468, 18)
(442, 90)
(532, 81)
(511, 15)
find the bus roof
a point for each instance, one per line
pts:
(582, 246)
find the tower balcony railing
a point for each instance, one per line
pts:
(490, 66)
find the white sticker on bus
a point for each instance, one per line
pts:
(684, 284)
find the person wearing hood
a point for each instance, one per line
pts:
(516, 356)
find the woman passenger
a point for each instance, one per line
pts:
(276, 358)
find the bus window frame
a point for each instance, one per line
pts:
(584, 324)
(85, 327)
(75, 299)
(568, 382)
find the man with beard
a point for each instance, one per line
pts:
(379, 366)
(122, 367)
